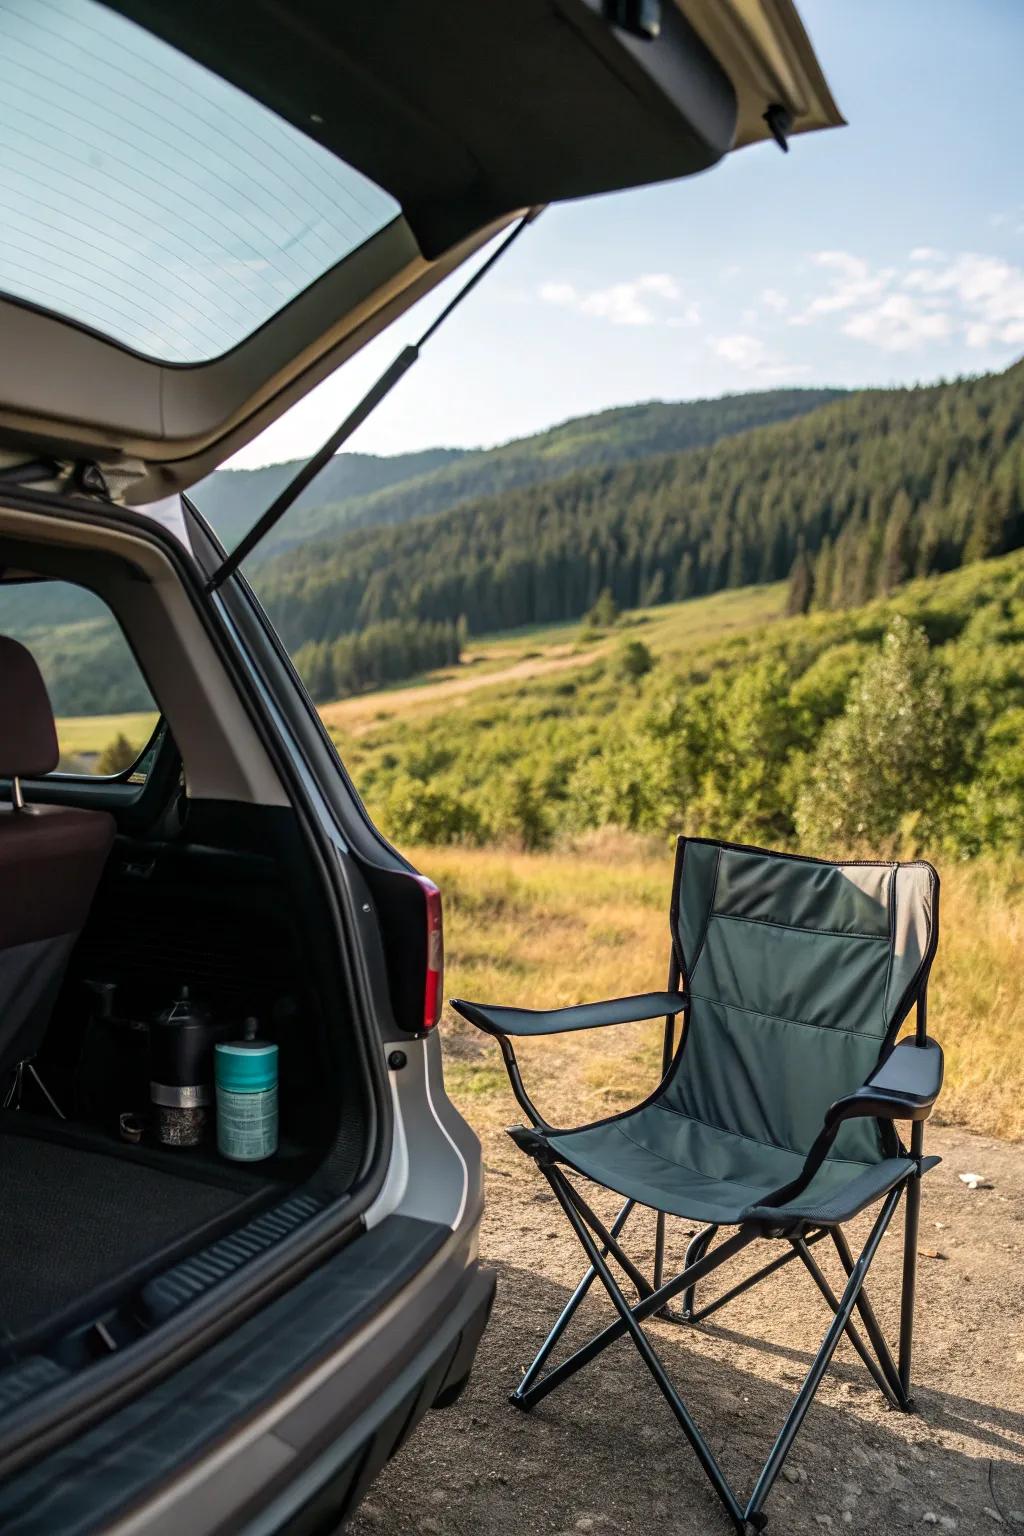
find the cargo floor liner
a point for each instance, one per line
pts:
(79, 1225)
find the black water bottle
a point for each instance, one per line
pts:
(181, 1043)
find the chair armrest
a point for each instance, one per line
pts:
(555, 1021)
(904, 1087)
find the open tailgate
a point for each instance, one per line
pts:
(253, 189)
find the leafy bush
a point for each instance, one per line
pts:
(890, 756)
(605, 612)
(414, 812)
(117, 756)
(632, 660)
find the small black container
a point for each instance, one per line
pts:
(181, 1043)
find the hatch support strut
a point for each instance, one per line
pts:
(367, 405)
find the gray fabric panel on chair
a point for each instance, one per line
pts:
(916, 895)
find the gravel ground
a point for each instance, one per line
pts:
(603, 1454)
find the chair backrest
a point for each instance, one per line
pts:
(800, 973)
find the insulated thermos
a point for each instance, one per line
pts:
(181, 1043)
(246, 1075)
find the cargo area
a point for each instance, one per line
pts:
(84, 1219)
(99, 1211)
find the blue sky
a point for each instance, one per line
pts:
(889, 251)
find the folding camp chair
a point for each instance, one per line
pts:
(775, 1112)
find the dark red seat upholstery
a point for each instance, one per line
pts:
(51, 858)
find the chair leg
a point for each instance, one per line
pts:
(751, 1517)
(910, 1231)
(696, 1249)
(639, 1280)
(659, 1249)
(647, 1353)
(519, 1395)
(820, 1363)
(876, 1372)
(871, 1324)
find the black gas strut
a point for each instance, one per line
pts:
(355, 418)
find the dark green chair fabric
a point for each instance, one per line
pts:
(798, 975)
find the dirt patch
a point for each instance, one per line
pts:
(360, 714)
(603, 1453)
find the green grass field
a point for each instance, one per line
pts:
(669, 631)
(85, 736)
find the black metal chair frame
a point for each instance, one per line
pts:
(601, 1244)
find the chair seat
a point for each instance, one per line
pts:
(665, 1160)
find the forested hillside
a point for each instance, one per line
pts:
(867, 491)
(357, 490)
(618, 436)
(232, 499)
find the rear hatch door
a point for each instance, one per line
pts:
(208, 208)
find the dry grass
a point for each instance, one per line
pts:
(547, 930)
(976, 999)
(87, 734)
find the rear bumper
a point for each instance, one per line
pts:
(282, 1425)
(334, 1486)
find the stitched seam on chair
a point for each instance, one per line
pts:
(755, 1141)
(674, 1163)
(781, 1018)
(827, 933)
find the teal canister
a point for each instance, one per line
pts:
(245, 1072)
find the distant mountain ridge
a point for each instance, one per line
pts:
(363, 490)
(232, 499)
(875, 486)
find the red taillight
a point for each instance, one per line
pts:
(433, 977)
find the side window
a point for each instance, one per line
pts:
(105, 713)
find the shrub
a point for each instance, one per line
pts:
(117, 756)
(632, 660)
(890, 756)
(417, 813)
(523, 814)
(605, 612)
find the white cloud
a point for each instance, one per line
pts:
(772, 299)
(984, 294)
(653, 298)
(559, 293)
(751, 355)
(898, 324)
(853, 284)
(935, 297)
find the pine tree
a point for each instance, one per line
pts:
(801, 584)
(986, 528)
(605, 612)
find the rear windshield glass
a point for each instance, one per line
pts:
(146, 198)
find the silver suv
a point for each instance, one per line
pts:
(238, 1214)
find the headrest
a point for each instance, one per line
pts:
(28, 736)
